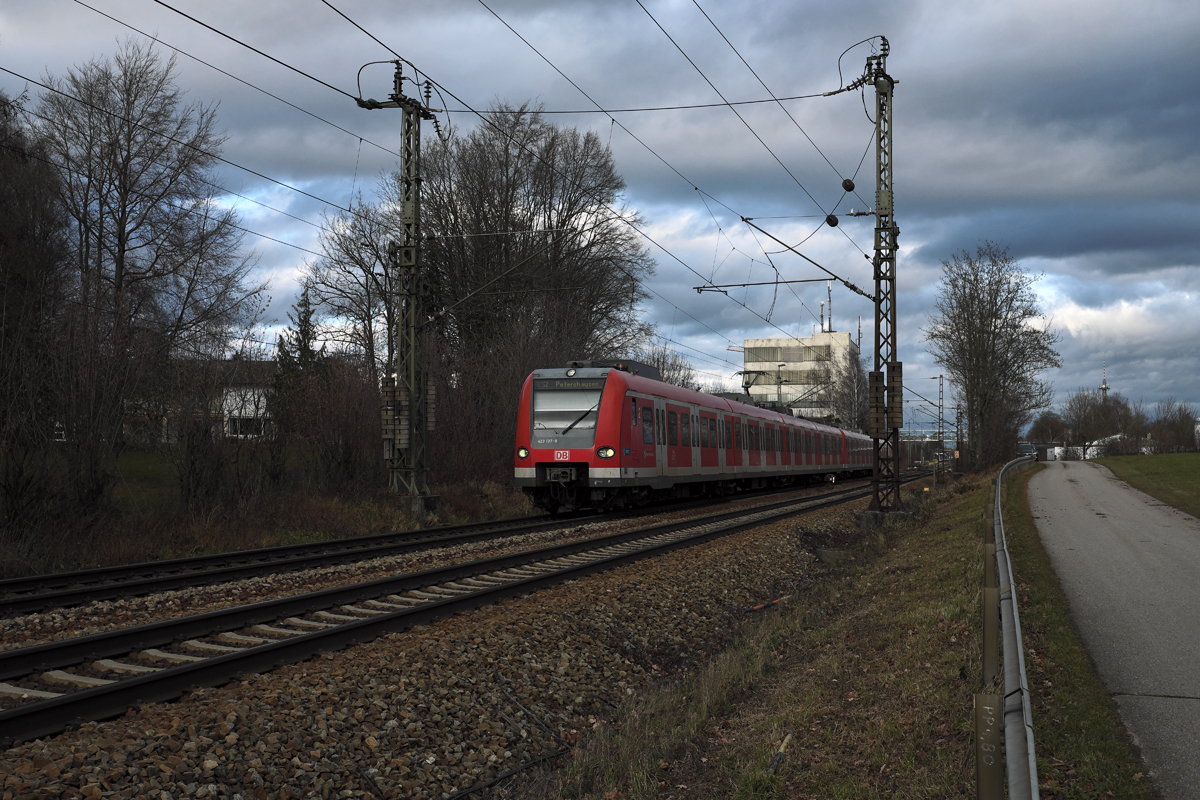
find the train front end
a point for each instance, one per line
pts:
(568, 449)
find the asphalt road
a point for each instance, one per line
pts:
(1130, 566)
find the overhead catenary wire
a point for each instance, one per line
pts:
(764, 85)
(234, 39)
(440, 88)
(499, 130)
(186, 210)
(726, 102)
(639, 141)
(172, 139)
(219, 187)
(199, 60)
(750, 128)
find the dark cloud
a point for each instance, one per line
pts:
(1064, 129)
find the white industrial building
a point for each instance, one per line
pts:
(796, 372)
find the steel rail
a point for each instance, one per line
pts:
(61, 590)
(13, 590)
(1020, 760)
(51, 716)
(229, 568)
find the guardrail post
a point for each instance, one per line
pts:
(989, 776)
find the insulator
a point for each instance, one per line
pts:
(848, 185)
(832, 221)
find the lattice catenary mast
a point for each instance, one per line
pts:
(408, 398)
(886, 400)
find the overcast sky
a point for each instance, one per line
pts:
(1067, 131)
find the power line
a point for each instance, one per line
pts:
(672, 108)
(664, 161)
(731, 108)
(635, 138)
(764, 85)
(65, 168)
(170, 138)
(255, 49)
(154, 38)
(502, 132)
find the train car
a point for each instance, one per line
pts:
(603, 436)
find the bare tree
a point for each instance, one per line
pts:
(351, 284)
(672, 365)
(849, 391)
(1089, 416)
(989, 336)
(160, 270)
(1173, 429)
(532, 262)
(1048, 427)
(34, 290)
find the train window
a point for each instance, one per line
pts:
(695, 431)
(662, 427)
(720, 434)
(703, 432)
(647, 425)
(685, 429)
(729, 442)
(633, 407)
(672, 428)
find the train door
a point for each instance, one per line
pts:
(642, 455)
(660, 438)
(720, 453)
(679, 439)
(708, 440)
(733, 453)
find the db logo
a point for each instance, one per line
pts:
(562, 455)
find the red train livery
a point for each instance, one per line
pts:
(603, 436)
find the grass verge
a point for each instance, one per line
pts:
(872, 671)
(1173, 478)
(1082, 748)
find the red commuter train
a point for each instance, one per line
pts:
(600, 435)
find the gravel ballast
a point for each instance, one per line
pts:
(441, 707)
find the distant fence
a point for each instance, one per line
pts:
(1009, 712)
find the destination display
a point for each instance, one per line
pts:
(568, 384)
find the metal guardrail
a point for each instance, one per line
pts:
(1020, 760)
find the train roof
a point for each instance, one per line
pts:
(649, 385)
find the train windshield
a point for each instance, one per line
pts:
(565, 410)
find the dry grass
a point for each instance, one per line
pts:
(872, 671)
(147, 523)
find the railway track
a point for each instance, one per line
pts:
(63, 590)
(102, 675)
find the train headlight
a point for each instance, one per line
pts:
(522, 452)
(606, 452)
